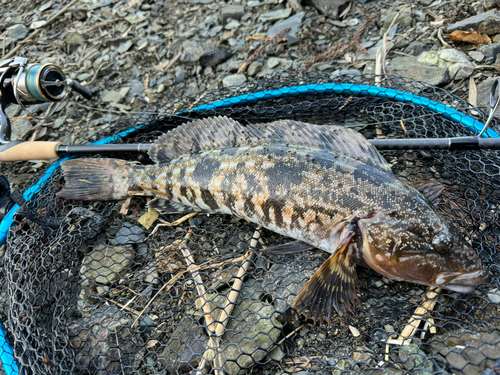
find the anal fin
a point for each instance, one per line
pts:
(333, 285)
(289, 248)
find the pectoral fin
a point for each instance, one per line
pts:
(289, 248)
(333, 285)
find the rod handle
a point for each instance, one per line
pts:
(23, 151)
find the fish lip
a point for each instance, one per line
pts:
(461, 282)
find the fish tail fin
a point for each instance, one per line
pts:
(95, 179)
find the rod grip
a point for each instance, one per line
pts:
(29, 151)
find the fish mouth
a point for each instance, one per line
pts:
(461, 282)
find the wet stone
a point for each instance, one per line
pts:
(130, 234)
(247, 339)
(105, 264)
(96, 338)
(292, 22)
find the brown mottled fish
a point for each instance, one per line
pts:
(325, 186)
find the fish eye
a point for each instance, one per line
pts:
(442, 244)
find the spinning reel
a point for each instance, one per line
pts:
(25, 84)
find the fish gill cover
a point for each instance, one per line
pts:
(101, 290)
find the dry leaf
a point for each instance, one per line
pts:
(469, 37)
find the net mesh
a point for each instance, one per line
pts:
(92, 291)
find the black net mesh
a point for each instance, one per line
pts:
(92, 291)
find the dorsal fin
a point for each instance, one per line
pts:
(196, 136)
(218, 132)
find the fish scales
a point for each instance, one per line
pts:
(326, 187)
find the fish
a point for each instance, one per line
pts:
(325, 186)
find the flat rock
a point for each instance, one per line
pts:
(459, 66)
(234, 80)
(330, 8)
(19, 128)
(477, 56)
(490, 50)
(17, 32)
(105, 264)
(412, 68)
(277, 14)
(111, 96)
(234, 12)
(292, 22)
(484, 23)
(96, 338)
(483, 96)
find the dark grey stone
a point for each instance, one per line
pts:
(215, 57)
(332, 8)
(293, 22)
(234, 12)
(411, 68)
(490, 50)
(130, 234)
(484, 23)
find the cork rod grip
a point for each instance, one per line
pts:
(30, 151)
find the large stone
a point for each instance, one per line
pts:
(277, 14)
(458, 63)
(484, 23)
(19, 128)
(412, 68)
(405, 18)
(105, 264)
(292, 22)
(17, 32)
(234, 80)
(103, 342)
(250, 333)
(331, 8)
(215, 57)
(228, 12)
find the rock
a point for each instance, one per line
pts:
(485, 23)
(332, 8)
(19, 128)
(215, 57)
(136, 17)
(96, 338)
(490, 50)
(234, 80)
(254, 68)
(273, 62)
(477, 56)
(292, 22)
(125, 46)
(130, 234)
(405, 18)
(249, 335)
(232, 25)
(412, 68)
(493, 369)
(74, 38)
(494, 295)
(38, 24)
(17, 32)
(194, 49)
(192, 89)
(459, 65)
(414, 358)
(426, 2)
(372, 52)
(275, 15)
(416, 48)
(234, 12)
(105, 264)
(111, 96)
(467, 354)
(59, 122)
(483, 96)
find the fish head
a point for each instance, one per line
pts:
(428, 252)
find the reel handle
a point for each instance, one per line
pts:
(22, 151)
(82, 90)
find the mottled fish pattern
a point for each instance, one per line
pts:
(324, 186)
